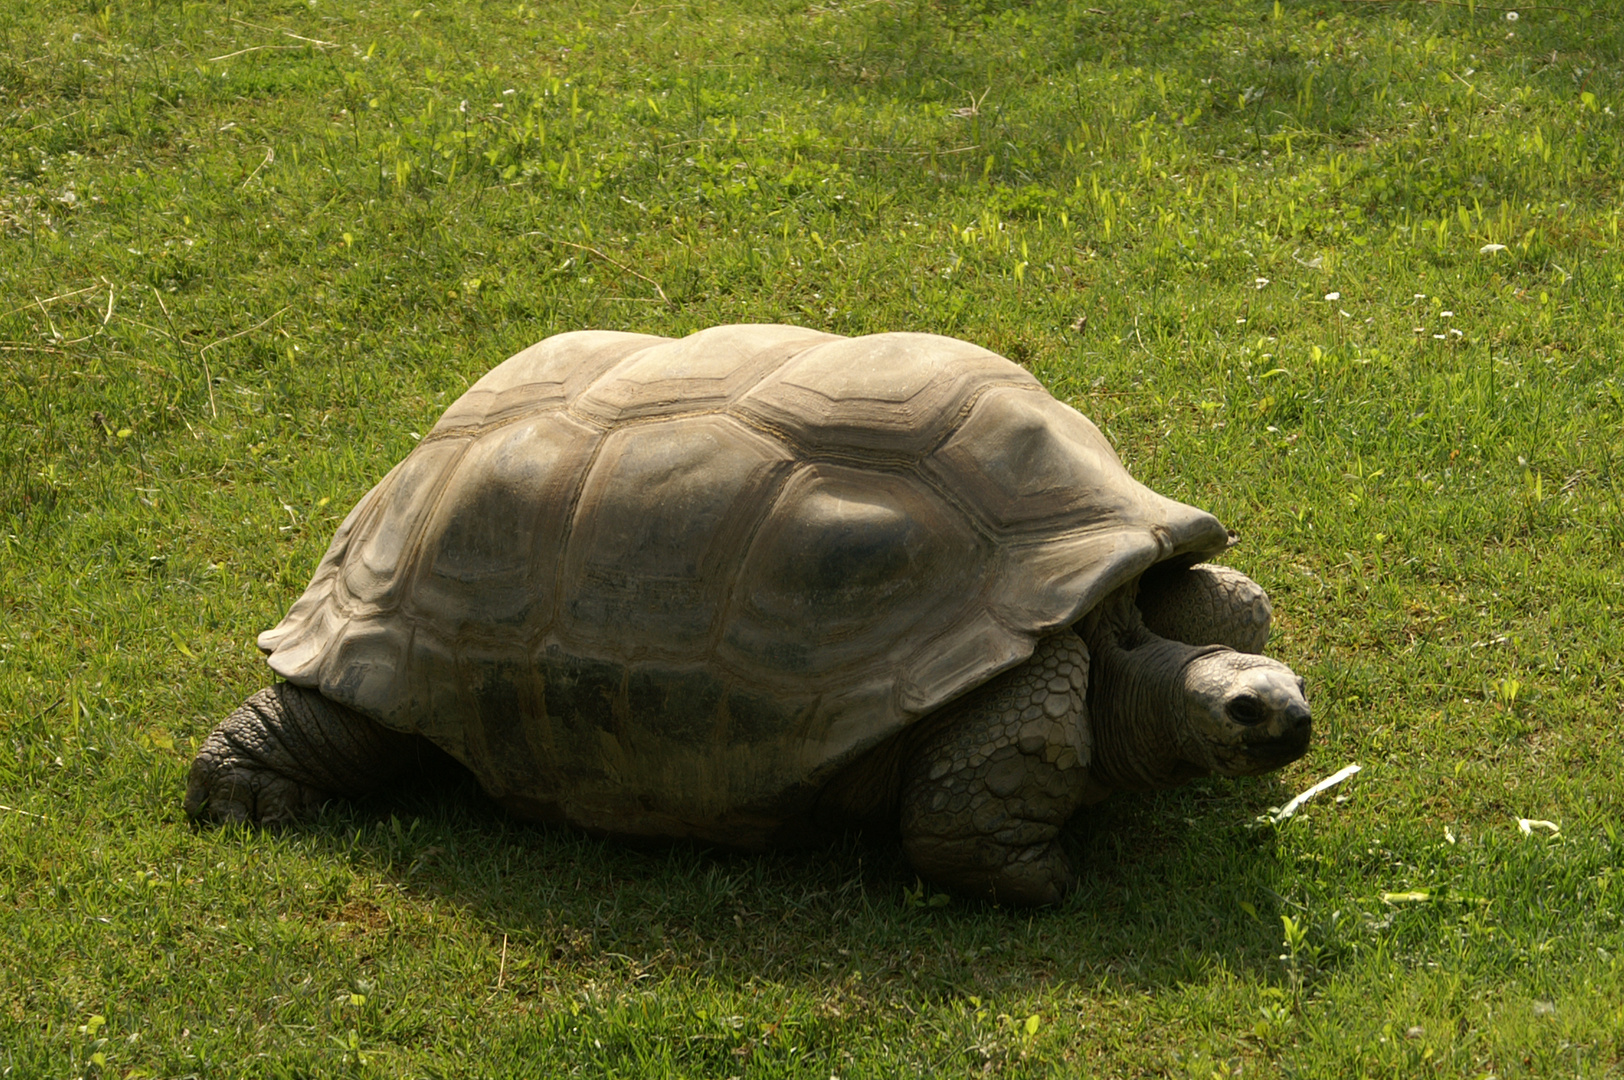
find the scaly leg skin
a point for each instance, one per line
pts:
(1206, 604)
(986, 793)
(286, 751)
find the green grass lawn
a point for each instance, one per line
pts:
(1348, 274)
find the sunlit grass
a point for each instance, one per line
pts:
(1348, 275)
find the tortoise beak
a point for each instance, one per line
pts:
(1284, 740)
(1275, 720)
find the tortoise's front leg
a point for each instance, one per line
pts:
(985, 795)
(1206, 604)
(286, 751)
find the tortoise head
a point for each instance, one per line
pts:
(1247, 714)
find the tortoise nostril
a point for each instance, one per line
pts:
(1298, 716)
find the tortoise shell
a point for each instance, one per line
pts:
(670, 587)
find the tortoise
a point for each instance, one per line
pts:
(760, 583)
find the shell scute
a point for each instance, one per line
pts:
(660, 521)
(544, 376)
(364, 661)
(377, 563)
(848, 565)
(968, 654)
(586, 707)
(892, 393)
(1029, 461)
(431, 699)
(502, 709)
(678, 704)
(698, 373)
(489, 552)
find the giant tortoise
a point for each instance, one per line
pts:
(759, 583)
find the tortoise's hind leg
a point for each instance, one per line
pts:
(985, 794)
(287, 750)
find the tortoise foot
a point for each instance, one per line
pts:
(987, 869)
(224, 786)
(987, 793)
(286, 751)
(245, 771)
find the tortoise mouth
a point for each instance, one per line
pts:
(1270, 752)
(1265, 742)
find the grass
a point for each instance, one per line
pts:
(1346, 273)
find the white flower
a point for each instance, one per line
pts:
(1258, 283)
(1490, 249)
(1511, 16)
(1446, 314)
(1333, 296)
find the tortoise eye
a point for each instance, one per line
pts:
(1246, 709)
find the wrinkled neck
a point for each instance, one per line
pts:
(1138, 704)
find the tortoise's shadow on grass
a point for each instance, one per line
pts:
(1169, 886)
